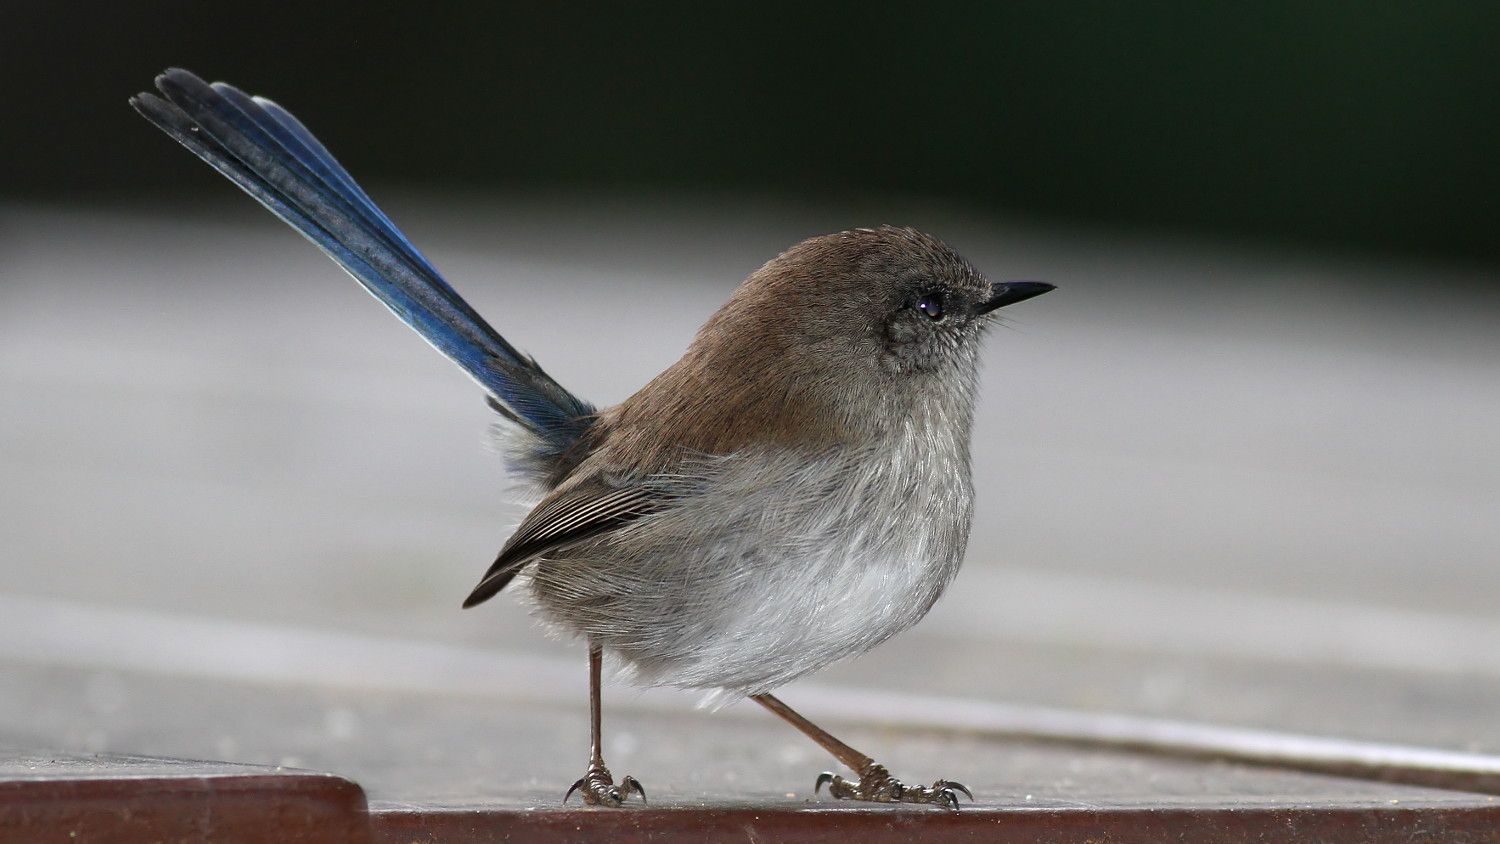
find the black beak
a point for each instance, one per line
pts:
(1004, 293)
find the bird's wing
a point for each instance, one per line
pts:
(270, 155)
(579, 511)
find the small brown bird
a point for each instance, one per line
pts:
(795, 490)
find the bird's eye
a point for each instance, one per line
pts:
(932, 305)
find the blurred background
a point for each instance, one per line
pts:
(1243, 467)
(1338, 125)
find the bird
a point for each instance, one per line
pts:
(794, 490)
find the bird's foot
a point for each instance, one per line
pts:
(878, 786)
(598, 788)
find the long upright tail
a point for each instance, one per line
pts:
(262, 148)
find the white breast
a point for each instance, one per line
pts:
(811, 559)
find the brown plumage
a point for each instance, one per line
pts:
(777, 366)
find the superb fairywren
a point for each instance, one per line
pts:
(795, 490)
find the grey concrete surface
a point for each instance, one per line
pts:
(445, 750)
(1243, 486)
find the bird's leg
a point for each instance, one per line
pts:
(597, 786)
(875, 783)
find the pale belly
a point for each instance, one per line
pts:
(775, 569)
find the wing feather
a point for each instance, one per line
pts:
(580, 511)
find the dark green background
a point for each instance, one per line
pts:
(1370, 126)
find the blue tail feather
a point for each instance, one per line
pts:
(270, 155)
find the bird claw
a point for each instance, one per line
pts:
(945, 795)
(951, 786)
(876, 785)
(632, 784)
(598, 788)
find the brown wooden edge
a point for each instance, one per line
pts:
(61, 798)
(1021, 825)
(73, 798)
